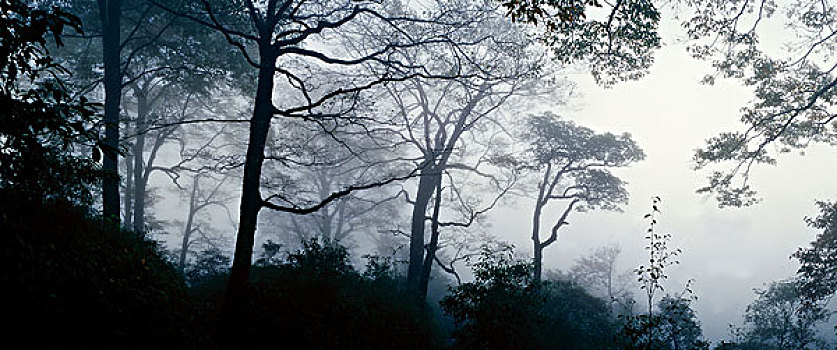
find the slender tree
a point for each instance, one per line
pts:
(110, 12)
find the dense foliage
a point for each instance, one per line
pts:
(74, 280)
(506, 308)
(315, 299)
(41, 124)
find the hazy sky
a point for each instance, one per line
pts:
(727, 251)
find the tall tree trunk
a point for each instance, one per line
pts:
(251, 201)
(427, 182)
(139, 164)
(110, 13)
(187, 231)
(430, 256)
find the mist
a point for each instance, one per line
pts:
(448, 174)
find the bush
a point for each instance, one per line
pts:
(315, 299)
(505, 308)
(70, 279)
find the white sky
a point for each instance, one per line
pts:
(727, 251)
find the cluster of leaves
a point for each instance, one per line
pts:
(71, 275)
(794, 90)
(506, 308)
(617, 45)
(818, 270)
(41, 124)
(314, 298)
(781, 317)
(673, 326)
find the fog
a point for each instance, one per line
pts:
(446, 174)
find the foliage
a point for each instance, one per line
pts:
(210, 263)
(41, 125)
(818, 270)
(617, 45)
(779, 317)
(506, 308)
(579, 159)
(72, 274)
(794, 89)
(315, 299)
(674, 326)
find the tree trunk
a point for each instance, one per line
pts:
(430, 256)
(187, 231)
(427, 182)
(139, 166)
(110, 13)
(128, 210)
(251, 201)
(536, 225)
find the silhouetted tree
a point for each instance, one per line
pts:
(574, 161)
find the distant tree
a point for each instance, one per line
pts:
(201, 198)
(780, 318)
(575, 163)
(599, 274)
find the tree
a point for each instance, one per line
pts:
(574, 161)
(794, 90)
(110, 14)
(200, 200)
(597, 273)
(679, 328)
(166, 66)
(780, 318)
(43, 129)
(817, 277)
(453, 129)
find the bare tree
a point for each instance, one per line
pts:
(201, 199)
(454, 134)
